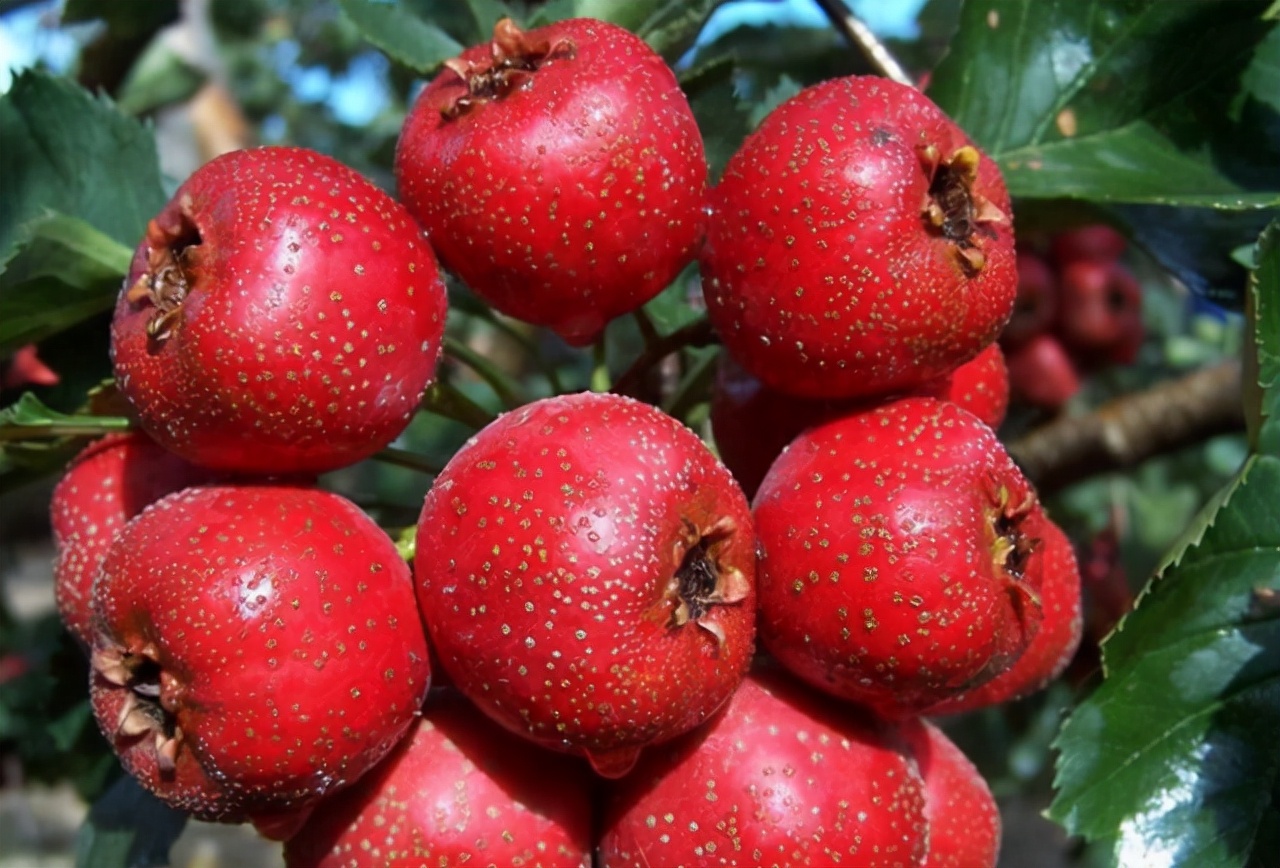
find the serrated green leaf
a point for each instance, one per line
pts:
(401, 35)
(67, 151)
(1262, 369)
(1110, 100)
(129, 828)
(1174, 759)
(64, 272)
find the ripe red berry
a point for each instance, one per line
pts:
(1036, 306)
(980, 385)
(964, 820)
(457, 789)
(108, 483)
(559, 172)
(1100, 319)
(1054, 644)
(899, 563)
(282, 315)
(255, 648)
(782, 777)
(1042, 374)
(586, 571)
(859, 244)
(1094, 243)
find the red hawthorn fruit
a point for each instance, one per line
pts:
(1054, 644)
(964, 820)
(108, 482)
(586, 572)
(859, 244)
(559, 172)
(282, 315)
(781, 777)
(1036, 306)
(1095, 243)
(255, 648)
(752, 423)
(458, 788)
(899, 563)
(1042, 374)
(1100, 316)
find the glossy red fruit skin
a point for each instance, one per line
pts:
(1042, 374)
(1095, 243)
(109, 482)
(822, 270)
(753, 423)
(1100, 320)
(1036, 307)
(308, 322)
(1054, 644)
(964, 820)
(571, 199)
(781, 777)
(457, 789)
(899, 563)
(550, 568)
(255, 648)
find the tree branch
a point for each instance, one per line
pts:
(1130, 429)
(860, 36)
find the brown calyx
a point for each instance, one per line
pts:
(173, 242)
(513, 59)
(954, 209)
(1013, 546)
(702, 580)
(142, 713)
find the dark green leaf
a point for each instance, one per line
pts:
(64, 272)
(30, 412)
(128, 828)
(66, 151)
(1262, 78)
(403, 36)
(673, 25)
(1113, 100)
(1262, 387)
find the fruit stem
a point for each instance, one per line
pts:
(600, 380)
(445, 399)
(75, 426)
(695, 334)
(407, 543)
(648, 331)
(405, 458)
(857, 33)
(693, 387)
(503, 386)
(513, 331)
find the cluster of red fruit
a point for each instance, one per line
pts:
(1079, 309)
(588, 576)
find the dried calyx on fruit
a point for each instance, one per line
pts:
(173, 247)
(514, 57)
(954, 208)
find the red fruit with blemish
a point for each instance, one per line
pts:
(1100, 318)
(1094, 243)
(782, 777)
(255, 647)
(559, 172)
(1036, 306)
(282, 315)
(899, 558)
(108, 483)
(1042, 374)
(586, 571)
(859, 244)
(964, 820)
(458, 789)
(1054, 644)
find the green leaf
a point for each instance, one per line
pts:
(1174, 759)
(1262, 78)
(400, 34)
(64, 272)
(1113, 100)
(158, 78)
(66, 151)
(1262, 369)
(673, 26)
(30, 412)
(128, 827)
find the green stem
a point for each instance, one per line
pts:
(84, 426)
(445, 399)
(692, 387)
(503, 386)
(600, 381)
(405, 458)
(407, 543)
(695, 334)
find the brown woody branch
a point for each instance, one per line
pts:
(1130, 429)
(857, 33)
